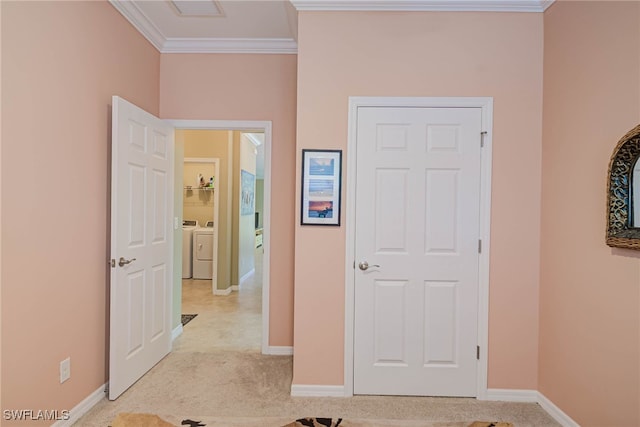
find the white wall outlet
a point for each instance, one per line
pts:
(65, 370)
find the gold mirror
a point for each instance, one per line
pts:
(623, 193)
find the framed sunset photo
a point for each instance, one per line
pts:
(321, 173)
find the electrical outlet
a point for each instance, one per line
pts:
(65, 370)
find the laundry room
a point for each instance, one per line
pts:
(222, 194)
(199, 209)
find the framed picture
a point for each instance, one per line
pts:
(321, 172)
(248, 184)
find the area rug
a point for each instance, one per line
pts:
(151, 420)
(186, 318)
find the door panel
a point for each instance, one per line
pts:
(141, 230)
(135, 320)
(441, 323)
(441, 213)
(390, 326)
(159, 204)
(390, 213)
(417, 226)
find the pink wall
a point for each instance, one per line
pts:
(62, 62)
(1, 212)
(426, 54)
(248, 87)
(589, 296)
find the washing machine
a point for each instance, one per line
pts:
(203, 252)
(188, 226)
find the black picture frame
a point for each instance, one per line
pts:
(321, 201)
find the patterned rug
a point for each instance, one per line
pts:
(186, 318)
(150, 420)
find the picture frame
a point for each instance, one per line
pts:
(321, 187)
(247, 196)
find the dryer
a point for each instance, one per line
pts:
(188, 226)
(203, 252)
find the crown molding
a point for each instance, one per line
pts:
(546, 4)
(163, 44)
(139, 20)
(252, 138)
(424, 5)
(199, 45)
(211, 45)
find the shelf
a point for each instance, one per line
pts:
(199, 188)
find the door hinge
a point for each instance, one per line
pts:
(478, 352)
(482, 135)
(479, 246)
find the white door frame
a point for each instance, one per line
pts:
(486, 105)
(260, 126)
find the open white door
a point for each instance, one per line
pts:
(141, 244)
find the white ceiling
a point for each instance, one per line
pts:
(245, 26)
(240, 19)
(267, 26)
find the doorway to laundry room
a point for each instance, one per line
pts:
(222, 189)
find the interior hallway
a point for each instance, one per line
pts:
(224, 322)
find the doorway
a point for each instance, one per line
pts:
(252, 274)
(417, 279)
(200, 218)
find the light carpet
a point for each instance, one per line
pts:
(245, 384)
(152, 420)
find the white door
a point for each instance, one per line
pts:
(417, 228)
(141, 244)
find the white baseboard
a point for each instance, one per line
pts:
(558, 414)
(505, 395)
(235, 288)
(533, 396)
(222, 291)
(275, 350)
(177, 331)
(246, 276)
(298, 390)
(83, 407)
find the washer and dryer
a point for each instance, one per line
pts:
(188, 227)
(203, 252)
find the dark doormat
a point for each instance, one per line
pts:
(186, 318)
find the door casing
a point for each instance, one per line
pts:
(486, 105)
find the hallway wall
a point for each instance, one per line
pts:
(589, 292)
(248, 87)
(61, 64)
(242, 260)
(426, 54)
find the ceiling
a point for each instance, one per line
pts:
(241, 26)
(266, 26)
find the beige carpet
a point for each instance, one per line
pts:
(216, 372)
(151, 420)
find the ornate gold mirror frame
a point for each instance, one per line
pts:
(621, 233)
